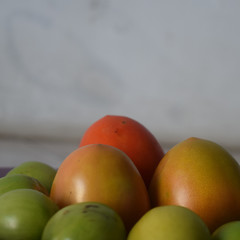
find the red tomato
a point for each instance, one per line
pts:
(129, 136)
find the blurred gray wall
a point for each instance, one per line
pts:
(172, 65)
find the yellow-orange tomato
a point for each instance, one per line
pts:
(104, 174)
(202, 176)
(129, 136)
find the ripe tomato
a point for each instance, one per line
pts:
(202, 176)
(129, 136)
(105, 174)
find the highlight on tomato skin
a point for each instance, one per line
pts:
(131, 137)
(105, 174)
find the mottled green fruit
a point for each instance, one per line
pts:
(24, 214)
(12, 182)
(43, 172)
(228, 231)
(85, 221)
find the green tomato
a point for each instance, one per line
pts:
(43, 172)
(170, 223)
(85, 221)
(228, 231)
(12, 182)
(24, 214)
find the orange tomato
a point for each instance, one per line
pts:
(105, 174)
(202, 176)
(129, 136)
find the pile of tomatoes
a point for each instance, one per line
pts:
(119, 163)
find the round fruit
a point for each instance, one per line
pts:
(43, 172)
(24, 214)
(202, 176)
(85, 221)
(12, 182)
(228, 231)
(105, 174)
(170, 222)
(129, 136)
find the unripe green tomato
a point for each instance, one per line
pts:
(24, 214)
(85, 221)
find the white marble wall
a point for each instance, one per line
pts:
(172, 65)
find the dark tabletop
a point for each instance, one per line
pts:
(4, 171)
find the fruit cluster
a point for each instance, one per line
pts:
(120, 185)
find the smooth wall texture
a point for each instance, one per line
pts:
(171, 65)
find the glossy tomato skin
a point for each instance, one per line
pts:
(102, 173)
(129, 136)
(24, 214)
(202, 176)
